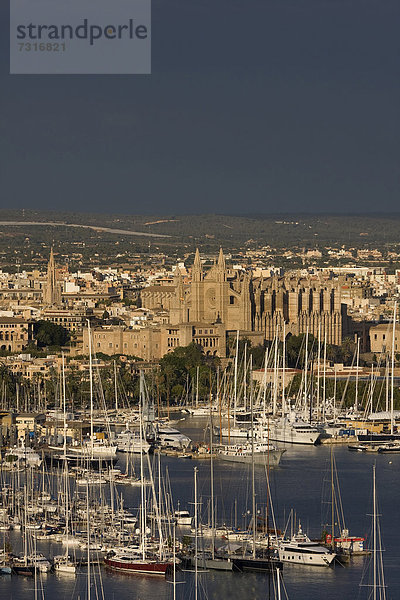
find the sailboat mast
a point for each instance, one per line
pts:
(357, 366)
(374, 531)
(88, 540)
(197, 386)
(305, 374)
(332, 501)
(196, 525)
(324, 385)
(235, 380)
(275, 397)
(264, 383)
(142, 496)
(64, 410)
(212, 477)
(278, 583)
(253, 478)
(90, 385)
(392, 373)
(115, 386)
(283, 368)
(245, 378)
(318, 368)
(174, 559)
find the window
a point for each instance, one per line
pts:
(231, 299)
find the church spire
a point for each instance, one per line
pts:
(197, 271)
(221, 267)
(221, 260)
(52, 290)
(51, 265)
(197, 261)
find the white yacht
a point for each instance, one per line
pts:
(234, 431)
(300, 550)
(183, 518)
(24, 454)
(292, 431)
(90, 478)
(168, 437)
(129, 441)
(263, 453)
(95, 448)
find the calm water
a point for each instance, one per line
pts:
(299, 484)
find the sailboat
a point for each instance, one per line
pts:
(373, 577)
(252, 561)
(344, 543)
(386, 441)
(94, 448)
(290, 427)
(141, 560)
(63, 563)
(253, 451)
(96, 453)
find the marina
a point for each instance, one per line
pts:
(296, 483)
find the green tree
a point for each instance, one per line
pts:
(180, 366)
(347, 350)
(295, 349)
(50, 334)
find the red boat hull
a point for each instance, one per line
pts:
(139, 567)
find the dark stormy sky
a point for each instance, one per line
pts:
(253, 106)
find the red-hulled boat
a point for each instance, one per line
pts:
(135, 563)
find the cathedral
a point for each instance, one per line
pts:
(259, 308)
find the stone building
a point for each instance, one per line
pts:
(142, 342)
(71, 319)
(151, 343)
(381, 337)
(15, 334)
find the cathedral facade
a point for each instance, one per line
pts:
(214, 297)
(257, 307)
